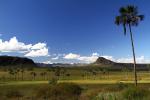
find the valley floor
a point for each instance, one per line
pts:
(93, 82)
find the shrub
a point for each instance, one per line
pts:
(14, 94)
(121, 86)
(60, 92)
(106, 96)
(134, 93)
(53, 81)
(42, 92)
(65, 92)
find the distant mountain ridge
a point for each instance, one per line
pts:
(16, 61)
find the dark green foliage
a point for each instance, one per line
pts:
(53, 81)
(14, 94)
(57, 71)
(121, 86)
(134, 93)
(60, 92)
(128, 16)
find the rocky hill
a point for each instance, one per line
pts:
(103, 61)
(16, 61)
(114, 65)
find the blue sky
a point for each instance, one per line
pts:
(71, 31)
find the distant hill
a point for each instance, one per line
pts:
(60, 65)
(100, 62)
(103, 61)
(16, 61)
(114, 65)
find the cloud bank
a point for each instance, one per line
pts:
(84, 59)
(29, 50)
(94, 56)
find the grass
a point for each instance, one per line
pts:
(94, 85)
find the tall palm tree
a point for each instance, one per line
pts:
(129, 17)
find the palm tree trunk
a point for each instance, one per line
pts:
(135, 74)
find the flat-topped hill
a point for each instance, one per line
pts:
(16, 61)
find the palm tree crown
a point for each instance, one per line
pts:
(128, 16)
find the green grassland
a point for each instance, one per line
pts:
(92, 80)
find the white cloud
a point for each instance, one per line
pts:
(84, 59)
(39, 46)
(47, 62)
(55, 58)
(140, 59)
(13, 45)
(38, 53)
(71, 56)
(109, 57)
(88, 59)
(95, 54)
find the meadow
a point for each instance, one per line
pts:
(96, 83)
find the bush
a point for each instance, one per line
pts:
(121, 86)
(134, 93)
(60, 92)
(53, 81)
(106, 96)
(14, 94)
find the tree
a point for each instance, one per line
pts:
(33, 74)
(57, 71)
(11, 72)
(22, 73)
(43, 74)
(129, 17)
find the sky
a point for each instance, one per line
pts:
(71, 31)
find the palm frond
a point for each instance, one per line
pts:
(128, 16)
(117, 20)
(131, 9)
(123, 10)
(141, 17)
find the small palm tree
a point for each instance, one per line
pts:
(33, 74)
(43, 74)
(129, 17)
(11, 73)
(22, 73)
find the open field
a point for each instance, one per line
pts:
(30, 89)
(93, 81)
(97, 75)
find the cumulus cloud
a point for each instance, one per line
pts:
(140, 59)
(88, 59)
(84, 59)
(109, 57)
(47, 62)
(38, 53)
(13, 45)
(71, 56)
(94, 56)
(55, 58)
(39, 46)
